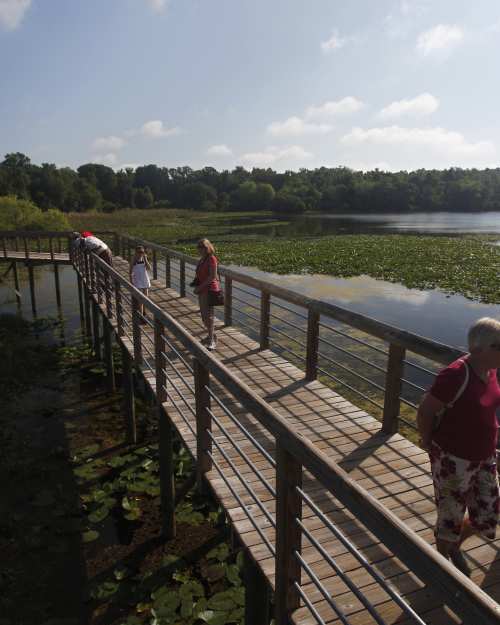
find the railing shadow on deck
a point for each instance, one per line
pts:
(303, 473)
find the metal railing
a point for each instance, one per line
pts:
(222, 418)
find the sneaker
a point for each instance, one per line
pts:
(457, 557)
(212, 345)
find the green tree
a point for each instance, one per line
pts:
(286, 203)
(143, 198)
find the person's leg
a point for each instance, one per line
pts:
(210, 326)
(450, 487)
(483, 501)
(203, 302)
(145, 292)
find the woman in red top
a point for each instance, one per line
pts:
(462, 448)
(206, 281)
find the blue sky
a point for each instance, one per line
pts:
(398, 84)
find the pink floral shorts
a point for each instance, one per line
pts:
(461, 484)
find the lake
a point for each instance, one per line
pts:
(424, 223)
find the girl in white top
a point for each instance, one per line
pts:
(139, 276)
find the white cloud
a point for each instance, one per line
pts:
(158, 6)
(296, 127)
(273, 155)
(440, 39)
(12, 12)
(156, 130)
(108, 143)
(450, 144)
(105, 159)
(219, 150)
(331, 109)
(335, 42)
(401, 20)
(423, 104)
(314, 118)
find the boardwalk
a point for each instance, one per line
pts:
(389, 467)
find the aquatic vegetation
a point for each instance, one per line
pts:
(466, 266)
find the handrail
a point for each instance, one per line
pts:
(469, 601)
(428, 348)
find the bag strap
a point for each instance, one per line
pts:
(462, 388)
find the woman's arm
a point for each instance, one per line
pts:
(147, 263)
(426, 414)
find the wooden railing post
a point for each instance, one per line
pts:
(312, 345)
(136, 332)
(51, 249)
(4, 246)
(155, 266)
(168, 272)
(107, 295)
(182, 277)
(393, 382)
(203, 421)
(228, 301)
(92, 273)
(119, 309)
(98, 279)
(166, 452)
(265, 310)
(288, 533)
(26, 248)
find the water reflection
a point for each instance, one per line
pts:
(316, 225)
(432, 314)
(46, 304)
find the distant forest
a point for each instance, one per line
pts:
(329, 190)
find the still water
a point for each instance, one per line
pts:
(394, 223)
(427, 313)
(430, 313)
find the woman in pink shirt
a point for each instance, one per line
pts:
(206, 280)
(462, 448)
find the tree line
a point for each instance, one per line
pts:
(329, 190)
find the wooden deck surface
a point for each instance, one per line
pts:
(389, 467)
(36, 257)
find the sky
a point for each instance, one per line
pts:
(393, 84)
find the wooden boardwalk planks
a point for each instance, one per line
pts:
(390, 467)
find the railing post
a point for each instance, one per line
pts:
(107, 295)
(228, 301)
(98, 279)
(91, 273)
(128, 394)
(136, 331)
(51, 249)
(166, 452)
(107, 330)
(265, 310)
(119, 310)
(155, 266)
(312, 345)
(96, 311)
(182, 277)
(168, 272)
(393, 382)
(288, 533)
(4, 245)
(26, 248)
(203, 421)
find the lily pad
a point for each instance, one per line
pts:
(90, 536)
(98, 515)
